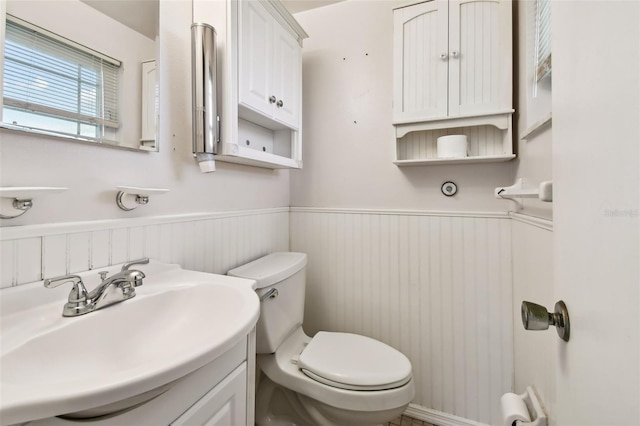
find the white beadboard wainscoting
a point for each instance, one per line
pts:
(435, 285)
(208, 242)
(535, 353)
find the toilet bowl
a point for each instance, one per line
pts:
(328, 379)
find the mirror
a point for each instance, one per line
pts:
(82, 69)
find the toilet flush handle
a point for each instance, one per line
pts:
(271, 294)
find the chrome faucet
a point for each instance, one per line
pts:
(114, 289)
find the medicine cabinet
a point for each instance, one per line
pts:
(260, 49)
(453, 75)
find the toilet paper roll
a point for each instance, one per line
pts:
(452, 146)
(513, 409)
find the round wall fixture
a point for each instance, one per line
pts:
(449, 189)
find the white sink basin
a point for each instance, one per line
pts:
(121, 355)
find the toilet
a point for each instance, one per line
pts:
(329, 379)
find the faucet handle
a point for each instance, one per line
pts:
(135, 277)
(142, 261)
(137, 282)
(78, 292)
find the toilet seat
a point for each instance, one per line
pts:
(281, 368)
(354, 362)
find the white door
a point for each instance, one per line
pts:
(596, 139)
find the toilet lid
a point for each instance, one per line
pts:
(271, 269)
(351, 361)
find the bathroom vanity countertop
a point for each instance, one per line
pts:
(179, 321)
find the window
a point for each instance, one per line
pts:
(55, 86)
(542, 39)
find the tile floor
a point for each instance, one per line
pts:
(408, 421)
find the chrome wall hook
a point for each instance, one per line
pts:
(16, 201)
(130, 197)
(536, 317)
(19, 206)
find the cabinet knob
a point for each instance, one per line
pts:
(280, 104)
(272, 99)
(455, 54)
(444, 56)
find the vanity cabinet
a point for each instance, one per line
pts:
(269, 69)
(219, 393)
(453, 70)
(223, 405)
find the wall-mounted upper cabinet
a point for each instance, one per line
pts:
(269, 69)
(260, 81)
(452, 59)
(452, 65)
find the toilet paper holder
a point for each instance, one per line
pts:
(536, 317)
(533, 405)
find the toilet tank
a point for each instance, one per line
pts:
(282, 310)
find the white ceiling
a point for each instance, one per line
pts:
(142, 15)
(139, 15)
(296, 6)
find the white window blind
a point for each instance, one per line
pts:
(56, 86)
(542, 39)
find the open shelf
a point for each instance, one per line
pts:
(486, 144)
(465, 160)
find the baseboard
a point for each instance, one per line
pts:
(438, 417)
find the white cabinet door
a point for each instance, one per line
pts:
(255, 58)
(286, 77)
(452, 59)
(477, 51)
(224, 405)
(420, 61)
(269, 68)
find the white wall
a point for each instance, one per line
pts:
(388, 255)
(349, 142)
(533, 163)
(91, 173)
(435, 286)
